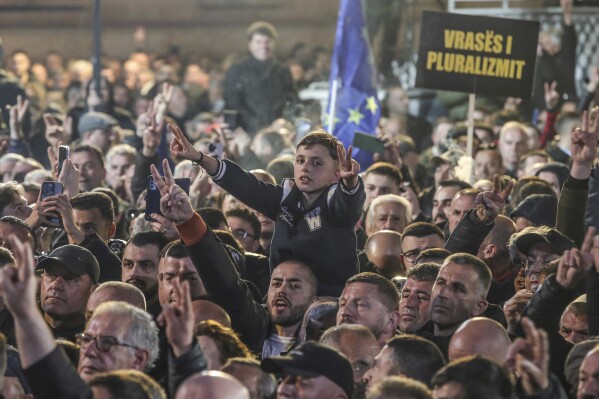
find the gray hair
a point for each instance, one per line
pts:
(142, 332)
(121, 149)
(401, 201)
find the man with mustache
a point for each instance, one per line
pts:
(140, 266)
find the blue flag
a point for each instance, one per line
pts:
(355, 105)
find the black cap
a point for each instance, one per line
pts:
(314, 360)
(73, 258)
(556, 240)
(539, 209)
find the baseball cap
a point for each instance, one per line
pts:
(73, 258)
(95, 120)
(549, 236)
(314, 360)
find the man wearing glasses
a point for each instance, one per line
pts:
(245, 227)
(541, 246)
(118, 336)
(416, 238)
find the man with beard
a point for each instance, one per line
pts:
(370, 300)
(140, 266)
(292, 287)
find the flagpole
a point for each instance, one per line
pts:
(332, 105)
(97, 40)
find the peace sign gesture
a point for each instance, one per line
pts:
(551, 95)
(174, 202)
(348, 167)
(490, 203)
(584, 141)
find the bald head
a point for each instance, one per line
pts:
(115, 291)
(494, 249)
(383, 248)
(480, 336)
(357, 343)
(208, 310)
(212, 385)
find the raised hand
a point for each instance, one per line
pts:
(514, 308)
(60, 204)
(56, 133)
(529, 358)
(178, 320)
(348, 167)
(583, 144)
(490, 203)
(39, 216)
(567, 6)
(17, 114)
(181, 147)
(18, 285)
(551, 95)
(69, 177)
(165, 226)
(175, 204)
(151, 135)
(571, 268)
(161, 102)
(390, 153)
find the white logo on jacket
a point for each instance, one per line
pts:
(313, 219)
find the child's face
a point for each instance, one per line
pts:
(314, 168)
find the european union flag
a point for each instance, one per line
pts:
(353, 99)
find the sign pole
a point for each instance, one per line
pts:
(470, 143)
(332, 106)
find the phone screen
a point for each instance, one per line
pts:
(368, 142)
(50, 188)
(153, 196)
(64, 153)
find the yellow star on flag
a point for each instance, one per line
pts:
(355, 116)
(335, 121)
(371, 104)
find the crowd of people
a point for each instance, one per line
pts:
(206, 238)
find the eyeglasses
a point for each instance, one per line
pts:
(104, 343)
(241, 234)
(544, 262)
